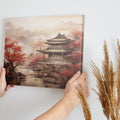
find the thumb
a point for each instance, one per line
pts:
(3, 74)
(2, 82)
(75, 76)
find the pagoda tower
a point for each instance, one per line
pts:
(56, 50)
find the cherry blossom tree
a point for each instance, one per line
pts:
(13, 53)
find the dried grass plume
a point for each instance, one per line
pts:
(86, 109)
(108, 84)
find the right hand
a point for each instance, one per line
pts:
(71, 92)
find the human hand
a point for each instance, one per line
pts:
(71, 93)
(64, 107)
(3, 84)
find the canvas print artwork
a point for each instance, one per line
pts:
(43, 51)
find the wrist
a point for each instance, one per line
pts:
(71, 101)
(67, 105)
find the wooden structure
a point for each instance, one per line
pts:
(56, 50)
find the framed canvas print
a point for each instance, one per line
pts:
(43, 51)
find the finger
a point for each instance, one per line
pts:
(83, 77)
(0, 71)
(75, 76)
(2, 74)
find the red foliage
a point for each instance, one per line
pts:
(76, 56)
(76, 44)
(35, 60)
(77, 40)
(69, 72)
(39, 43)
(13, 52)
(79, 33)
(79, 65)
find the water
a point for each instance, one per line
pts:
(31, 80)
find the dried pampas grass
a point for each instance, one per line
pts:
(86, 110)
(108, 84)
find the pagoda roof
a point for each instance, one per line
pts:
(53, 51)
(57, 42)
(59, 38)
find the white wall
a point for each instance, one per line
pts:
(102, 22)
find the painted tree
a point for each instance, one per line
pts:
(76, 56)
(14, 55)
(77, 41)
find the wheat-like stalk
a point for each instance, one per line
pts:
(108, 89)
(86, 109)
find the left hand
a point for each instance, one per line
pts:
(3, 84)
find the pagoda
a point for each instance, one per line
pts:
(56, 50)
